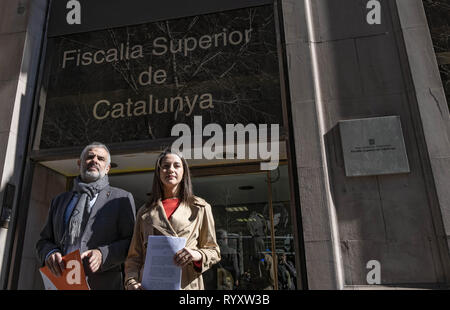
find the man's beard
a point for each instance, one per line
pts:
(91, 176)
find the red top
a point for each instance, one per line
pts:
(170, 205)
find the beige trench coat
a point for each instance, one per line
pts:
(192, 221)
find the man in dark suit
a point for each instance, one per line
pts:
(95, 218)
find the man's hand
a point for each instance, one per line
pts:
(55, 263)
(95, 259)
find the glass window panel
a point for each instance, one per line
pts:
(241, 211)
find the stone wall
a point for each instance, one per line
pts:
(341, 68)
(21, 28)
(47, 184)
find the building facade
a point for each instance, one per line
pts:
(329, 122)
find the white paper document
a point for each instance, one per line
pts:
(160, 272)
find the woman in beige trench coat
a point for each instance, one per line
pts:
(173, 210)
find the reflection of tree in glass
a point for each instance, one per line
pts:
(243, 79)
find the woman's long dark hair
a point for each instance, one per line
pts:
(185, 193)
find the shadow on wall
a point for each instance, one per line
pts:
(385, 218)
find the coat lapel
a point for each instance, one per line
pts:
(102, 198)
(60, 215)
(183, 217)
(160, 221)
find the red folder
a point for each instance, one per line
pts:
(73, 276)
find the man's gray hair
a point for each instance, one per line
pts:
(95, 145)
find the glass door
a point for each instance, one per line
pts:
(253, 228)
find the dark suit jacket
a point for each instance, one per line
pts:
(109, 229)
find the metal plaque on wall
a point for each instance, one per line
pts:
(136, 82)
(373, 146)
